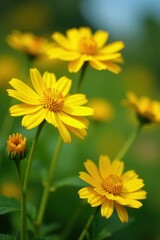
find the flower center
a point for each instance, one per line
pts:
(53, 101)
(113, 184)
(87, 45)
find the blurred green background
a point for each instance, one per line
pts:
(137, 24)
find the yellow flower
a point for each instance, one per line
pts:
(146, 109)
(110, 187)
(51, 102)
(28, 43)
(16, 147)
(103, 110)
(81, 45)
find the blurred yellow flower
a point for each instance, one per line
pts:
(51, 102)
(32, 45)
(16, 147)
(10, 189)
(103, 109)
(81, 45)
(110, 187)
(147, 110)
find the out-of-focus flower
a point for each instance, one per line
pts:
(50, 101)
(103, 109)
(10, 189)
(110, 187)
(81, 45)
(147, 110)
(28, 43)
(16, 147)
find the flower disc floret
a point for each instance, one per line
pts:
(110, 187)
(50, 101)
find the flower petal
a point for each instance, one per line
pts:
(75, 66)
(101, 38)
(33, 120)
(132, 185)
(37, 82)
(141, 194)
(104, 166)
(25, 97)
(76, 99)
(62, 40)
(122, 213)
(87, 178)
(117, 167)
(77, 110)
(93, 170)
(63, 130)
(107, 208)
(81, 133)
(69, 120)
(63, 85)
(112, 47)
(49, 79)
(22, 109)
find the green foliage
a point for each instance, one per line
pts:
(8, 204)
(6, 237)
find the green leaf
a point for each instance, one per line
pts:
(73, 181)
(6, 237)
(8, 204)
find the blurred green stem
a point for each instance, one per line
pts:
(23, 231)
(134, 134)
(83, 70)
(88, 224)
(47, 185)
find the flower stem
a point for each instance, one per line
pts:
(134, 134)
(23, 231)
(29, 163)
(83, 70)
(47, 185)
(88, 224)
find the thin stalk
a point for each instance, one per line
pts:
(134, 134)
(29, 162)
(23, 231)
(47, 186)
(88, 224)
(83, 70)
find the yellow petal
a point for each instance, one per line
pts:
(122, 213)
(81, 133)
(93, 170)
(61, 40)
(75, 66)
(117, 167)
(37, 82)
(107, 208)
(49, 79)
(101, 38)
(107, 57)
(87, 178)
(76, 99)
(104, 165)
(132, 185)
(33, 120)
(24, 97)
(23, 109)
(141, 194)
(78, 111)
(112, 47)
(63, 85)
(71, 121)
(63, 130)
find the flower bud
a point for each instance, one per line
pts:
(16, 147)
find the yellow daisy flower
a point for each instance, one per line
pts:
(81, 45)
(146, 109)
(28, 43)
(50, 101)
(110, 187)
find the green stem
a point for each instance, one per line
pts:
(88, 224)
(134, 134)
(83, 70)
(29, 163)
(47, 185)
(23, 231)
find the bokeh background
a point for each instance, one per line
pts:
(135, 22)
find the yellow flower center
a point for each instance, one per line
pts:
(53, 100)
(87, 45)
(113, 184)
